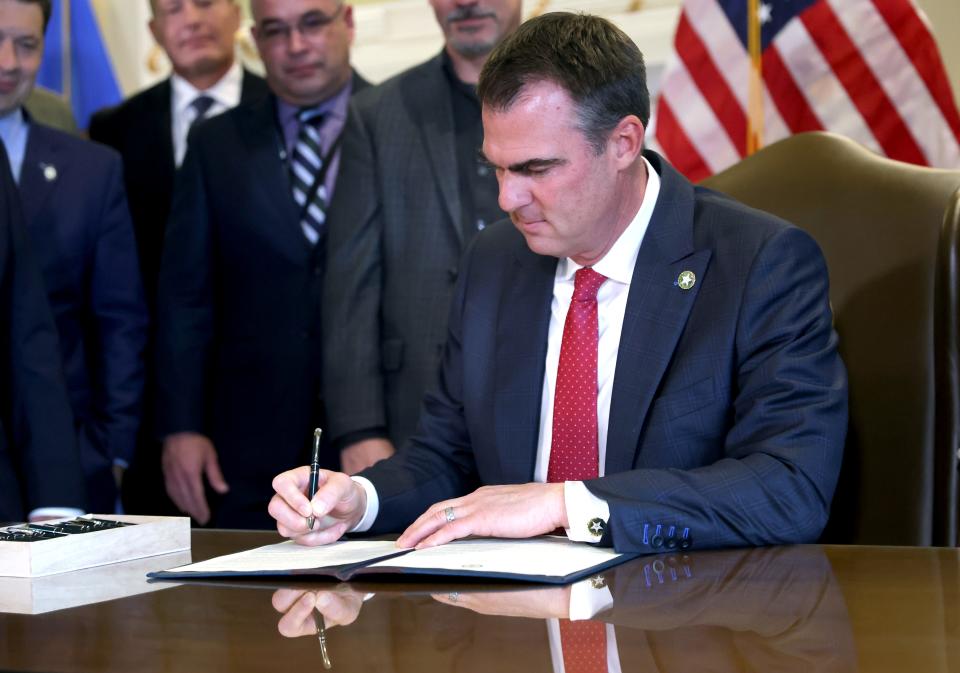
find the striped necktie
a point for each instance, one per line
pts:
(305, 167)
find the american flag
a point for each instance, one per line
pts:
(867, 69)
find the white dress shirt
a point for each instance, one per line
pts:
(586, 600)
(617, 265)
(225, 94)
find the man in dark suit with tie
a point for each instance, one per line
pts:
(240, 284)
(644, 363)
(39, 463)
(150, 131)
(76, 215)
(415, 193)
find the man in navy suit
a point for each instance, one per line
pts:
(692, 394)
(39, 463)
(76, 215)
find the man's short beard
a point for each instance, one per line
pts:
(473, 49)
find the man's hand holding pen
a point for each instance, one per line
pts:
(338, 505)
(299, 607)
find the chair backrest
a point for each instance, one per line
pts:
(889, 231)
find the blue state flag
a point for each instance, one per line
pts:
(76, 62)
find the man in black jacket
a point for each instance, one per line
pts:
(239, 295)
(150, 131)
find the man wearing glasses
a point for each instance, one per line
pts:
(150, 132)
(238, 309)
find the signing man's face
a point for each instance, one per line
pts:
(566, 199)
(21, 50)
(305, 47)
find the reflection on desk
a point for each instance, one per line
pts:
(869, 609)
(771, 609)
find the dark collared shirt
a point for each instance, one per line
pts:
(477, 181)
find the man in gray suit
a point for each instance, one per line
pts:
(413, 194)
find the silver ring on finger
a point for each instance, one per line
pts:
(448, 512)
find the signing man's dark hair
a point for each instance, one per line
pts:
(595, 62)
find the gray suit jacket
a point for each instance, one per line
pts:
(394, 246)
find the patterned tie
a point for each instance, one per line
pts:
(584, 645)
(574, 454)
(201, 106)
(305, 166)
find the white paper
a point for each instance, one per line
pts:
(551, 556)
(291, 556)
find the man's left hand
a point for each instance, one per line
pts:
(514, 511)
(549, 603)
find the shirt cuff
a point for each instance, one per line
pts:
(373, 506)
(583, 511)
(588, 598)
(55, 512)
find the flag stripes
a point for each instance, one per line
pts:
(868, 69)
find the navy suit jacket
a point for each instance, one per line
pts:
(39, 463)
(76, 214)
(728, 413)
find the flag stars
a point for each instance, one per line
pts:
(765, 13)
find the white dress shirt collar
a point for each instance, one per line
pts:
(225, 94)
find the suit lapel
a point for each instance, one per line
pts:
(429, 98)
(268, 171)
(44, 165)
(523, 323)
(656, 313)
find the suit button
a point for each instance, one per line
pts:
(656, 541)
(452, 272)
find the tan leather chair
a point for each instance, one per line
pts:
(889, 231)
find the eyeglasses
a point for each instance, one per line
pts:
(310, 25)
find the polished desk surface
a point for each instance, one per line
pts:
(805, 608)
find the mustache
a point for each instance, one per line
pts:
(470, 12)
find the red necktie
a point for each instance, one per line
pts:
(584, 646)
(574, 451)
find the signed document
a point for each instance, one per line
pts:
(553, 560)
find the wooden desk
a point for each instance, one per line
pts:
(843, 609)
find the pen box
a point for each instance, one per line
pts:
(150, 536)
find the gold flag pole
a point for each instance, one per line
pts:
(755, 95)
(66, 57)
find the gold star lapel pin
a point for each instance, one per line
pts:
(686, 280)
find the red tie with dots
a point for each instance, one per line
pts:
(584, 645)
(574, 453)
